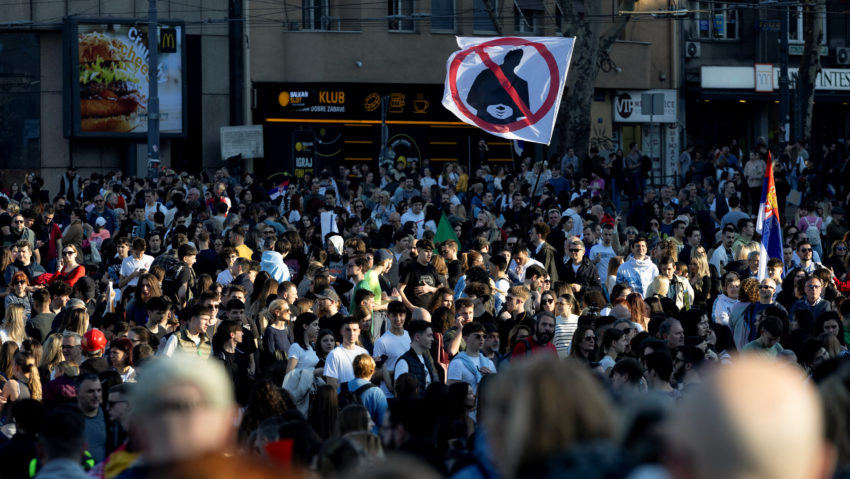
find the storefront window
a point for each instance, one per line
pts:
(20, 101)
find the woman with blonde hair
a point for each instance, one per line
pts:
(277, 336)
(659, 287)
(699, 275)
(533, 414)
(25, 382)
(613, 266)
(77, 321)
(743, 253)
(13, 325)
(7, 359)
(52, 353)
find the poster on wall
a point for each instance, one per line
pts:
(107, 90)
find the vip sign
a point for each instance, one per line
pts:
(628, 107)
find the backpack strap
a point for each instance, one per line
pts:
(362, 389)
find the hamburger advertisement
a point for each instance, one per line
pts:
(110, 79)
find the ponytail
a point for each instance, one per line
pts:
(35, 382)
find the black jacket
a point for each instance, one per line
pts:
(587, 275)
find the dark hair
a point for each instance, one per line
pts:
(300, 326)
(62, 433)
(631, 368)
(772, 325)
(323, 412)
(661, 363)
(396, 307)
(471, 328)
(417, 326)
(610, 336)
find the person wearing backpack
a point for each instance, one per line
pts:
(360, 390)
(471, 365)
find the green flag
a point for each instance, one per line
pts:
(445, 231)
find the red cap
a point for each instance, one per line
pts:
(94, 340)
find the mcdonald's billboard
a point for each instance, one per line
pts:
(107, 81)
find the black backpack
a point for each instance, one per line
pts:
(347, 397)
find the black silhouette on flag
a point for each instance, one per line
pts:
(492, 101)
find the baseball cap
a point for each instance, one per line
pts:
(330, 294)
(156, 377)
(93, 340)
(100, 222)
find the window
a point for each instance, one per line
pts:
(315, 15)
(795, 26)
(528, 15)
(482, 22)
(20, 101)
(400, 14)
(443, 15)
(716, 21)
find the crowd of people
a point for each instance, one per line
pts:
(566, 318)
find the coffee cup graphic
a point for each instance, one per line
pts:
(420, 105)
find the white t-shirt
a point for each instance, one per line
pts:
(224, 278)
(306, 359)
(340, 363)
(604, 253)
(418, 219)
(459, 372)
(401, 367)
(131, 264)
(393, 346)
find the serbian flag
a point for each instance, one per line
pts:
(509, 86)
(768, 221)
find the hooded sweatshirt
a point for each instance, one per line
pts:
(638, 274)
(272, 263)
(722, 309)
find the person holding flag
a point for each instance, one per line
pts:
(768, 221)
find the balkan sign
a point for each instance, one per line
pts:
(510, 87)
(628, 107)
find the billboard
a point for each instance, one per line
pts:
(106, 88)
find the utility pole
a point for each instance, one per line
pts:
(784, 97)
(153, 91)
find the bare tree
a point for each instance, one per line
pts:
(813, 15)
(594, 40)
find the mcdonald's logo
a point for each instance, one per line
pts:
(168, 40)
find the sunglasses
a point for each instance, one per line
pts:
(19, 283)
(764, 286)
(18, 222)
(575, 250)
(548, 301)
(590, 338)
(806, 250)
(68, 253)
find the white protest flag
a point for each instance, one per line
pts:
(509, 86)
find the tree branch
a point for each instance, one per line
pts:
(492, 13)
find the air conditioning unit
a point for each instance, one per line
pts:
(842, 56)
(692, 49)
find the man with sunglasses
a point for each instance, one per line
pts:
(470, 366)
(576, 268)
(805, 253)
(18, 232)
